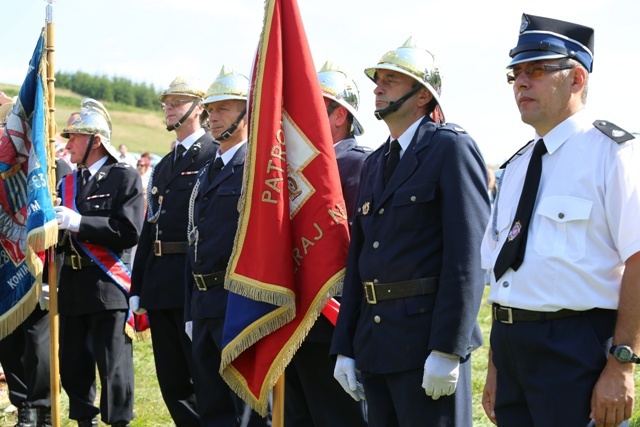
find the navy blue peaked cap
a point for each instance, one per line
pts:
(546, 38)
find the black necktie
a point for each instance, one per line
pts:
(512, 252)
(85, 175)
(392, 161)
(216, 167)
(180, 149)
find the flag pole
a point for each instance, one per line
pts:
(277, 412)
(52, 267)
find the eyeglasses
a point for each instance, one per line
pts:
(536, 71)
(175, 103)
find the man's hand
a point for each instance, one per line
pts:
(489, 392)
(134, 305)
(44, 297)
(612, 397)
(345, 374)
(441, 372)
(68, 219)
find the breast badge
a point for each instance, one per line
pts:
(365, 208)
(515, 230)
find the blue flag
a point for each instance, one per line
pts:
(27, 219)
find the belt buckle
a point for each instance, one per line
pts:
(201, 284)
(157, 248)
(509, 311)
(370, 292)
(76, 262)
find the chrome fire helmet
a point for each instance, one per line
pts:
(228, 85)
(336, 85)
(94, 119)
(415, 62)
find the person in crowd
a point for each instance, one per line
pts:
(143, 166)
(312, 396)
(125, 156)
(100, 216)
(566, 327)
(413, 284)
(159, 265)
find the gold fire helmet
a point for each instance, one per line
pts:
(413, 61)
(336, 84)
(183, 86)
(228, 85)
(94, 119)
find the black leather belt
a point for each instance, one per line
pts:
(511, 315)
(206, 281)
(374, 291)
(161, 248)
(78, 262)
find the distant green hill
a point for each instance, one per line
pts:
(140, 130)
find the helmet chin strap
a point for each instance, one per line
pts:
(177, 124)
(83, 163)
(227, 133)
(395, 105)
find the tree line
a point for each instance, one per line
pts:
(114, 89)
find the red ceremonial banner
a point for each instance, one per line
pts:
(291, 246)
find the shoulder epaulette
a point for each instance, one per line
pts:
(614, 132)
(453, 127)
(516, 154)
(362, 149)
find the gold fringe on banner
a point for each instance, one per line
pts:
(10, 320)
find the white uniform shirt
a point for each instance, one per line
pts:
(586, 221)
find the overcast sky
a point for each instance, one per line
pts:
(152, 41)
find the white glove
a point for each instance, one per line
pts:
(134, 305)
(345, 374)
(441, 372)
(68, 219)
(44, 297)
(188, 328)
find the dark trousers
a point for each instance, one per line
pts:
(398, 400)
(174, 365)
(24, 355)
(313, 397)
(97, 339)
(218, 405)
(547, 370)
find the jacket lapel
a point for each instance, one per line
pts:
(93, 185)
(188, 158)
(236, 161)
(408, 163)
